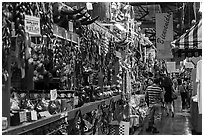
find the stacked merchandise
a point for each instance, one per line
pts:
(196, 104)
(138, 110)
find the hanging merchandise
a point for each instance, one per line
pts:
(199, 85)
(57, 86)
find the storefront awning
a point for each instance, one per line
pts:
(191, 39)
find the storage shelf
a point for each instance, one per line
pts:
(69, 114)
(64, 34)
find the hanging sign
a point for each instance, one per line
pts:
(32, 25)
(165, 53)
(89, 6)
(53, 94)
(164, 29)
(71, 28)
(171, 66)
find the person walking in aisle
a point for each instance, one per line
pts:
(149, 83)
(175, 87)
(182, 92)
(187, 94)
(167, 85)
(175, 83)
(154, 95)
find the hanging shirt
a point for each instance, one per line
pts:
(199, 85)
(193, 79)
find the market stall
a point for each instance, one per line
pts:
(58, 68)
(190, 45)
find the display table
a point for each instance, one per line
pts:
(23, 128)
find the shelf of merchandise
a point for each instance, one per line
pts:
(88, 107)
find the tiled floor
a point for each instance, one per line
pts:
(179, 125)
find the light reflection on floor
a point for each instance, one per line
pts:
(179, 125)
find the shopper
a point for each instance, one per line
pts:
(168, 88)
(175, 83)
(189, 93)
(149, 83)
(154, 95)
(182, 92)
(175, 87)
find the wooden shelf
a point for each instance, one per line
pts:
(69, 114)
(64, 34)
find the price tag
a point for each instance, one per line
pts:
(32, 25)
(76, 100)
(71, 26)
(66, 34)
(34, 115)
(22, 115)
(4, 123)
(89, 6)
(53, 94)
(45, 114)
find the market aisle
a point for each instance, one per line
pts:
(179, 125)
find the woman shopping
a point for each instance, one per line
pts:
(167, 86)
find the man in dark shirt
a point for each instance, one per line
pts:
(154, 94)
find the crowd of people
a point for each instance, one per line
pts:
(161, 91)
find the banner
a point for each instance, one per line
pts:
(165, 53)
(164, 29)
(32, 25)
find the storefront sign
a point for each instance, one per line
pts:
(164, 29)
(171, 67)
(32, 25)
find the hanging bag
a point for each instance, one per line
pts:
(173, 95)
